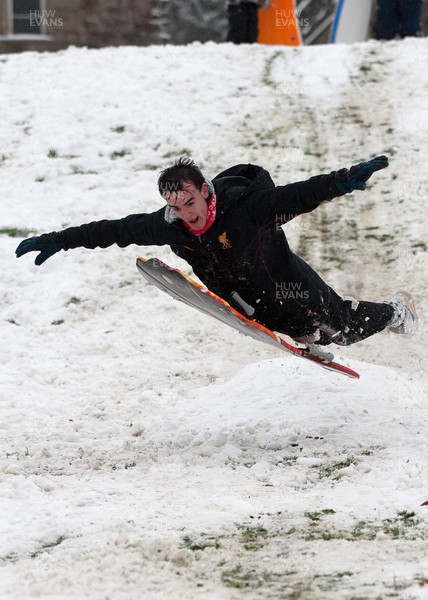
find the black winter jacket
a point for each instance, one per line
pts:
(244, 251)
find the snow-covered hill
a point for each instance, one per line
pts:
(149, 454)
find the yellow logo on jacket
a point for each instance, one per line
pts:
(224, 241)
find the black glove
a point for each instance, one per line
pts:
(47, 244)
(348, 180)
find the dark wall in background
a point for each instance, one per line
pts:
(100, 23)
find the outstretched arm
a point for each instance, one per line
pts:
(288, 201)
(142, 229)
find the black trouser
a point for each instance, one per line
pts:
(356, 324)
(397, 17)
(243, 23)
(304, 307)
(340, 323)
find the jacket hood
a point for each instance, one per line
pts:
(239, 179)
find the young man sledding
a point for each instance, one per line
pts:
(229, 231)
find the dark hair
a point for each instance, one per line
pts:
(184, 170)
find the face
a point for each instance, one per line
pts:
(190, 204)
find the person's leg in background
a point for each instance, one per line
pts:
(387, 19)
(410, 18)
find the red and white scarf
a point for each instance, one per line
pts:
(212, 207)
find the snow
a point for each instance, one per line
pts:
(150, 452)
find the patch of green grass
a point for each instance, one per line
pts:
(252, 537)
(150, 167)
(287, 461)
(312, 153)
(316, 516)
(363, 530)
(12, 558)
(404, 525)
(15, 232)
(333, 258)
(420, 245)
(48, 546)
(397, 585)
(365, 68)
(390, 151)
(75, 170)
(118, 129)
(331, 581)
(382, 238)
(268, 67)
(332, 470)
(240, 579)
(399, 526)
(318, 529)
(313, 516)
(120, 153)
(52, 153)
(202, 544)
(368, 451)
(176, 153)
(407, 517)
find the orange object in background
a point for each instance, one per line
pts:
(278, 24)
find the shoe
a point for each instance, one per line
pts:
(404, 320)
